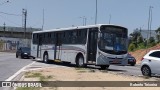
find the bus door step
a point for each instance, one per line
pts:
(57, 60)
(91, 62)
(38, 59)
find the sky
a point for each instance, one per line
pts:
(131, 14)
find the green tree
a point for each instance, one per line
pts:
(151, 41)
(140, 39)
(158, 35)
(158, 38)
(132, 47)
(135, 35)
(136, 38)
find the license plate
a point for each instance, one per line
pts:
(115, 61)
(131, 60)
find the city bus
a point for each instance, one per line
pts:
(101, 45)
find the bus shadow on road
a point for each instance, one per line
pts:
(93, 67)
(116, 70)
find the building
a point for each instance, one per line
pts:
(17, 32)
(144, 33)
(13, 37)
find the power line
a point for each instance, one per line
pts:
(10, 14)
(9, 20)
(4, 2)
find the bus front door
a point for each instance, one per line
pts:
(39, 45)
(58, 44)
(92, 45)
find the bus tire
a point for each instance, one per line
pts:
(103, 67)
(45, 58)
(21, 56)
(33, 57)
(16, 56)
(80, 61)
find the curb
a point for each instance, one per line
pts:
(18, 72)
(17, 76)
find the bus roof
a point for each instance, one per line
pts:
(75, 27)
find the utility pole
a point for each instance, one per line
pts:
(109, 18)
(96, 13)
(43, 20)
(4, 28)
(24, 21)
(149, 25)
(84, 20)
(150, 19)
(149, 22)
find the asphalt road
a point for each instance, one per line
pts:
(127, 70)
(9, 65)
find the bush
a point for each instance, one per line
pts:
(141, 45)
(131, 47)
(152, 44)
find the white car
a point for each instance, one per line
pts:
(150, 64)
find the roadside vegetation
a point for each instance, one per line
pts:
(28, 88)
(38, 75)
(1, 45)
(83, 70)
(138, 42)
(34, 75)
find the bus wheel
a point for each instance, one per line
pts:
(16, 56)
(45, 58)
(80, 61)
(33, 57)
(103, 67)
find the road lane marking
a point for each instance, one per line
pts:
(18, 72)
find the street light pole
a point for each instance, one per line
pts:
(24, 12)
(84, 20)
(150, 19)
(110, 18)
(96, 14)
(149, 24)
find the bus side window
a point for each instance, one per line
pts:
(59, 42)
(53, 37)
(78, 41)
(40, 39)
(74, 37)
(68, 39)
(63, 36)
(43, 38)
(83, 36)
(46, 38)
(37, 37)
(34, 39)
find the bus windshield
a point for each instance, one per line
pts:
(113, 40)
